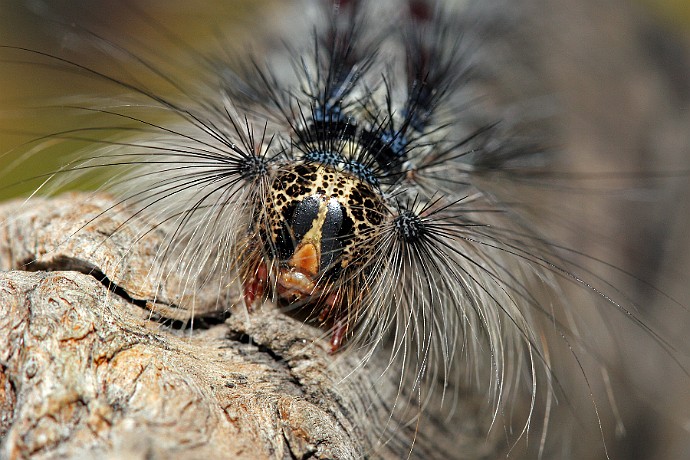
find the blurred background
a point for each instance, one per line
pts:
(591, 35)
(29, 83)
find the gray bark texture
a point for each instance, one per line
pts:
(86, 372)
(89, 370)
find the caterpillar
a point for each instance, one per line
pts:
(376, 176)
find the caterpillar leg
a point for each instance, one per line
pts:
(255, 287)
(338, 334)
(332, 313)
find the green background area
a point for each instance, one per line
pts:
(33, 89)
(675, 12)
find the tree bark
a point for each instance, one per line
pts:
(87, 370)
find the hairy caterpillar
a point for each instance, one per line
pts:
(445, 268)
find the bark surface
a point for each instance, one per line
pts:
(92, 367)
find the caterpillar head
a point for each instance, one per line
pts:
(317, 231)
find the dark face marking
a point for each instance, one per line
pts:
(322, 215)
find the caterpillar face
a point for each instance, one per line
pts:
(319, 220)
(322, 215)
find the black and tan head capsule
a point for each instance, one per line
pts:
(319, 220)
(313, 244)
(323, 212)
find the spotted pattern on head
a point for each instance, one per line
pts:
(304, 186)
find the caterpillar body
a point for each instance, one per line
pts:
(372, 184)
